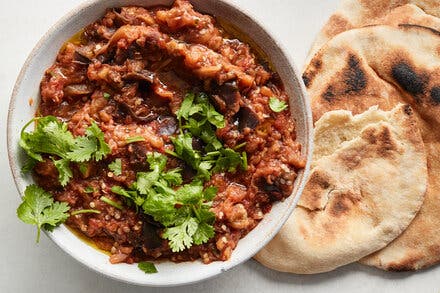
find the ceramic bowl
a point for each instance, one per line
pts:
(170, 274)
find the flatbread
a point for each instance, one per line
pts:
(352, 14)
(381, 65)
(349, 207)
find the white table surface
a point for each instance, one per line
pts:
(27, 267)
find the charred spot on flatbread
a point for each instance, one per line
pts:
(329, 94)
(407, 78)
(354, 75)
(355, 80)
(310, 74)
(435, 95)
(422, 85)
(381, 144)
(306, 79)
(381, 138)
(339, 206)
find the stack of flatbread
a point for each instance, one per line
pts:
(373, 194)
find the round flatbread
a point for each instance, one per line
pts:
(381, 65)
(349, 207)
(352, 14)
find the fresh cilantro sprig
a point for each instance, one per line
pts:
(51, 137)
(182, 210)
(185, 214)
(38, 208)
(200, 120)
(277, 105)
(91, 146)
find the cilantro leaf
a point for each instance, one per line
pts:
(147, 267)
(132, 195)
(201, 121)
(82, 150)
(214, 117)
(64, 171)
(28, 165)
(51, 137)
(38, 208)
(145, 180)
(228, 160)
(197, 110)
(94, 132)
(162, 187)
(203, 233)
(91, 146)
(210, 193)
(190, 194)
(173, 177)
(277, 105)
(185, 151)
(187, 108)
(183, 212)
(181, 236)
(157, 160)
(204, 170)
(205, 215)
(208, 136)
(116, 167)
(161, 207)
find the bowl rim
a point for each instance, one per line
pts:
(298, 83)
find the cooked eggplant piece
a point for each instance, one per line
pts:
(227, 98)
(247, 118)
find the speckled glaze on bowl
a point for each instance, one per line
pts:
(170, 274)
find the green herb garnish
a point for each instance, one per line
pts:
(106, 96)
(87, 211)
(134, 139)
(277, 105)
(91, 146)
(111, 202)
(38, 208)
(147, 267)
(83, 168)
(28, 165)
(116, 167)
(183, 211)
(200, 119)
(89, 189)
(52, 137)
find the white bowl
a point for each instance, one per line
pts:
(170, 274)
